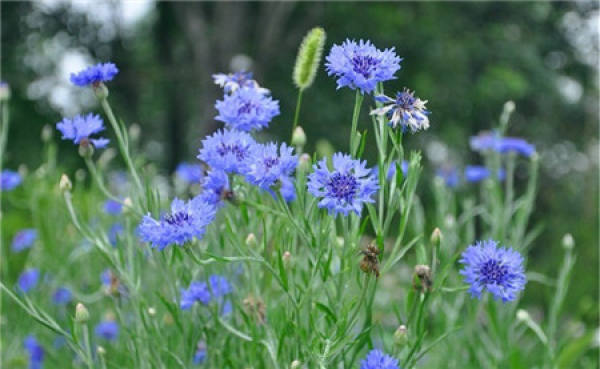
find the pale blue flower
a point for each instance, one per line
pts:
(80, 128)
(247, 109)
(227, 150)
(406, 111)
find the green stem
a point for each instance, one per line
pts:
(88, 347)
(353, 134)
(4, 124)
(297, 113)
(123, 146)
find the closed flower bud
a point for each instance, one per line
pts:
(251, 240)
(522, 315)
(401, 335)
(82, 314)
(47, 133)
(65, 183)
(134, 132)
(287, 258)
(304, 162)
(86, 149)
(568, 242)
(295, 364)
(100, 91)
(298, 137)
(127, 204)
(151, 311)
(100, 350)
(509, 106)
(436, 236)
(309, 57)
(422, 278)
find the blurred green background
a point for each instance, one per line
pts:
(466, 58)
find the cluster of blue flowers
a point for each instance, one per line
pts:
(489, 141)
(216, 289)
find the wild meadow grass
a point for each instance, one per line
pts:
(262, 255)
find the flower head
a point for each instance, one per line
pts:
(190, 173)
(227, 150)
(234, 81)
(268, 164)
(449, 175)
(215, 187)
(361, 65)
(95, 74)
(376, 359)
(24, 239)
(35, 351)
(28, 279)
(80, 129)
(477, 173)
(186, 221)
(492, 268)
(107, 329)
(405, 110)
(247, 109)
(346, 188)
(219, 286)
(200, 354)
(113, 207)
(61, 296)
(197, 291)
(488, 141)
(392, 169)
(9, 180)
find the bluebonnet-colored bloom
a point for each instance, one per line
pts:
(113, 207)
(247, 109)
(197, 291)
(489, 141)
(28, 279)
(9, 180)
(200, 354)
(346, 188)
(35, 351)
(233, 81)
(361, 65)
(268, 164)
(106, 277)
(392, 169)
(477, 173)
(114, 232)
(95, 74)
(219, 286)
(495, 269)
(190, 173)
(186, 221)
(107, 329)
(406, 111)
(80, 128)
(62, 296)
(376, 359)
(449, 175)
(227, 150)
(215, 187)
(24, 239)
(287, 188)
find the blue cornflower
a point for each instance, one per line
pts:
(81, 127)
(215, 187)
(107, 329)
(190, 173)
(392, 169)
(9, 180)
(233, 81)
(186, 221)
(227, 150)
(496, 269)
(219, 286)
(376, 359)
(114, 232)
(449, 175)
(346, 188)
(361, 65)
(488, 141)
(113, 207)
(200, 354)
(197, 291)
(405, 110)
(268, 164)
(61, 296)
(287, 188)
(247, 109)
(477, 173)
(106, 277)
(28, 279)
(24, 239)
(95, 74)
(35, 351)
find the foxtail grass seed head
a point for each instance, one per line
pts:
(568, 243)
(82, 314)
(298, 137)
(251, 240)
(401, 335)
(65, 183)
(308, 58)
(436, 236)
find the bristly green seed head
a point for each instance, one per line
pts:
(309, 57)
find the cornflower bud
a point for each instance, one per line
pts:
(101, 350)
(287, 259)
(151, 311)
(568, 242)
(65, 183)
(295, 364)
(401, 335)
(47, 133)
(100, 90)
(82, 314)
(299, 137)
(304, 162)
(436, 236)
(251, 240)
